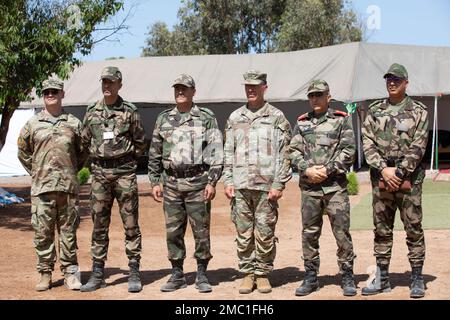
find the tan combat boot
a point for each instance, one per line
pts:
(247, 284)
(263, 284)
(45, 282)
(72, 278)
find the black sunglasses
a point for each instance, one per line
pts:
(50, 91)
(394, 79)
(315, 94)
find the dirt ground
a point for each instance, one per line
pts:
(18, 275)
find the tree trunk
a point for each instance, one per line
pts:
(10, 106)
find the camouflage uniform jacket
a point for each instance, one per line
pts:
(328, 141)
(256, 149)
(51, 152)
(123, 121)
(183, 142)
(399, 134)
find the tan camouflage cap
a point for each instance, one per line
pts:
(52, 83)
(255, 77)
(111, 73)
(318, 86)
(397, 70)
(185, 80)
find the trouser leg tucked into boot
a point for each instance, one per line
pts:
(309, 285)
(348, 280)
(177, 279)
(134, 278)
(72, 278)
(380, 283)
(97, 278)
(201, 281)
(417, 285)
(45, 282)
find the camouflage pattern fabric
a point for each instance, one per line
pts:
(50, 150)
(50, 211)
(179, 207)
(397, 134)
(256, 149)
(107, 185)
(255, 218)
(337, 206)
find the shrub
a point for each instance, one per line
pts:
(83, 176)
(353, 185)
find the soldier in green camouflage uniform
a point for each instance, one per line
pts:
(256, 169)
(395, 135)
(50, 150)
(186, 156)
(115, 138)
(323, 150)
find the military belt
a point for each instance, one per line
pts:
(115, 162)
(187, 173)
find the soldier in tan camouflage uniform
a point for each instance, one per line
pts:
(256, 169)
(115, 138)
(395, 135)
(323, 150)
(50, 150)
(186, 156)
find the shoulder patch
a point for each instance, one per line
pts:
(207, 111)
(420, 105)
(303, 117)
(130, 105)
(340, 113)
(90, 106)
(375, 103)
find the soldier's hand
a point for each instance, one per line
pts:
(157, 193)
(274, 194)
(316, 174)
(229, 192)
(209, 193)
(393, 182)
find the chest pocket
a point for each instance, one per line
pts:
(405, 128)
(97, 129)
(122, 127)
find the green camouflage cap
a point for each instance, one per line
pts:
(318, 86)
(111, 73)
(255, 77)
(52, 83)
(397, 70)
(185, 80)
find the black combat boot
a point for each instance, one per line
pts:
(97, 278)
(309, 285)
(348, 280)
(201, 281)
(380, 283)
(417, 285)
(177, 280)
(134, 278)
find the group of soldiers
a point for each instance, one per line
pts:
(187, 157)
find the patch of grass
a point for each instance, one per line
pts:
(435, 208)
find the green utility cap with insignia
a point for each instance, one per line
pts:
(397, 70)
(255, 77)
(111, 73)
(318, 86)
(185, 80)
(52, 83)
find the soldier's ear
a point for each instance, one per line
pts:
(120, 85)
(63, 93)
(193, 91)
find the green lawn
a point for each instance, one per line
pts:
(435, 202)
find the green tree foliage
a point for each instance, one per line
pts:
(83, 176)
(243, 26)
(39, 38)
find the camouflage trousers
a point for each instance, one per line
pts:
(107, 185)
(49, 211)
(385, 205)
(179, 207)
(255, 218)
(337, 206)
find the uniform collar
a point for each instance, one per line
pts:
(45, 116)
(262, 112)
(117, 106)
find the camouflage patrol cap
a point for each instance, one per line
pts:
(318, 86)
(255, 77)
(185, 80)
(111, 73)
(397, 70)
(52, 83)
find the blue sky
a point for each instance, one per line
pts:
(415, 22)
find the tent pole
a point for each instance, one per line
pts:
(434, 135)
(436, 138)
(358, 136)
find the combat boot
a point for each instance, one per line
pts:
(201, 281)
(97, 278)
(72, 278)
(417, 285)
(309, 285)
(134, 277)
(45, 282)
(177, 279)
(348, 280)
(263, 284)
(380, 283)
(248, 283)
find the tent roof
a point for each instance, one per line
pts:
(354, 72)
